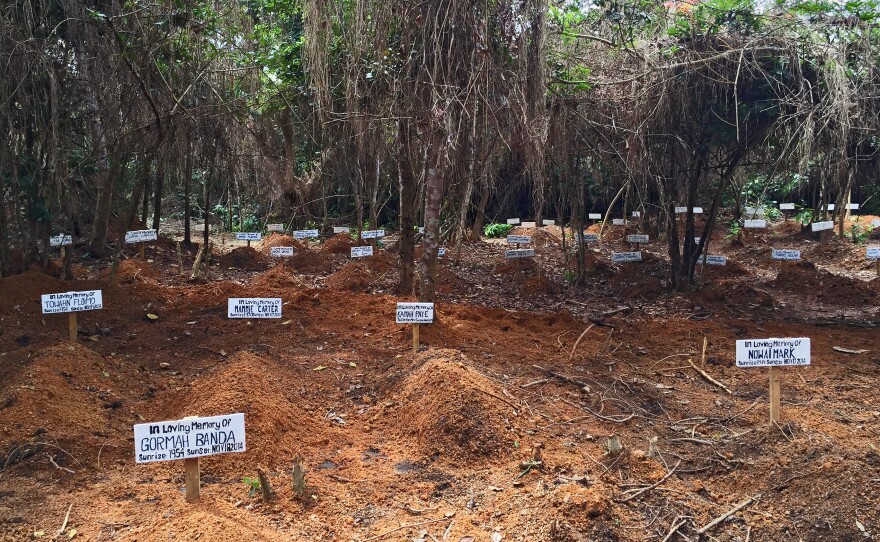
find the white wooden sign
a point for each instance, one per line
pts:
(822, 226)
(636, 214)
(715, 260)
(189, 438)
(754, 211)
(140, 236)
(415, 313)
(681, 210)
(872, 253)
(786, 206)
(306, 234)
(372, 234)
(513, 221)
(248, 236)
(773, 352)
(756, 223)
(360, 252)
(421, 230)
(87, 300)
(519, 239)
(853, 206)
(831, 206)
(341, 229)
(595, 216)
(549, 222)
(441, 252)
(60, 240)
(876, 222)
(786, 254)
(637, 238)
(620, 257)
(698, 210)
(519, 253)
(529, 225)
(275, 227)
(590, 238)
(618, 222)
(254, 307)
(281, 252)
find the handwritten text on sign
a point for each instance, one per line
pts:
(360, 252)
(60, 240)
(590, 238)
(773, 352)
(786, 254)
(519, 253)
(626, 256)
(281, 252)
(873, 253)
(275, 227)
(715, 260)
(415, 313)
(184, 439)
(637, 238)
(248, 236)
(372, 234)
(519, 239)
(822, 226)
(140, 236)
(340, 229)
(305, 234)
(618, 221)
(254, 307)
(72, 302)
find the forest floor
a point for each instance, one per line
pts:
(535, 411)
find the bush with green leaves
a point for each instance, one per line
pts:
(497, 230)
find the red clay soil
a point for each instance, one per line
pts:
(279, 240)
(340, 243)
(244, 258)
(540, 236)
(822, 286)
(312, 262)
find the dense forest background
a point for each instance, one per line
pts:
(447, 114)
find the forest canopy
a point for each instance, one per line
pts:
(449, 115)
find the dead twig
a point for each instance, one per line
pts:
(578, 341)
(727, 514)
(59, 467)
(674, 529)
(64, 523)
(583, 386)
(652, 486)
(711, 380)
(402, 527)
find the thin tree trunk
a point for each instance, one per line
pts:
(408, 194)
(187, 184)
(431, 241)
(104, 177)
(157, 193)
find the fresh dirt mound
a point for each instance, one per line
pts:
(311, 262)
(132, 270)
(821, 286)
(280, 240)
(277, 278)
(451, 409)
(261, 389)
(340, 243)
(540, 285)
(540, 236)
(516, 267)
(62, 397)
(365, 273)
(246, 258)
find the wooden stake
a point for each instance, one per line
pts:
(142, 250)
(774, 394)
(415, 338)
(248, 243)
(192, 479)
(71, 321)
(705, 344)
(179, 259)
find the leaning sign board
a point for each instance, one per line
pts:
(519, 239)
(248, 236)
(773, 352)
(618, 221)
(275, 227)
(415, 313)
(360, 252)
(756, 223)
(626, 256)
(254, 307)
(372, 234)
(714, 260)
(786, 254)
(189, 438)
(140, 236)
(822, 226)
(873, 253)
(88, 300)
(519, 253)
(60, 240)
(281, 252)
(305, 234)
(637, 238)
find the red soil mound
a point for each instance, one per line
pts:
(822, 286)
(280, 240)
(516, 267)
(451, 409)
(340, 243)
(365, 273)
(311, 262)
(133, 270)
(277, 278)
(540, 236)
(246, 258)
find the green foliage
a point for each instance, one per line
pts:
(714, 17)
(734, 230)
(252, 483)
(496, 230)
(804, 216)
(858, 234)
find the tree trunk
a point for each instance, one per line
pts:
(408, 194)
(431, 241)
(187, 184)
(104, 177)
(4, 231)
(157, 194)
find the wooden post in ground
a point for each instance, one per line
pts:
(179, 259)
(705, 344)
(71, 322)
(249, 243)
(142, 251)
(192, 479)
(415, 338)
(774, 394)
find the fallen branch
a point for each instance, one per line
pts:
(652, 486)
(64, 523)
(729, 513)
(596, 414)
(59, 467)
(402, 527)
(583, 386)
(705, 375)
(674, 529)
(578, 341)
